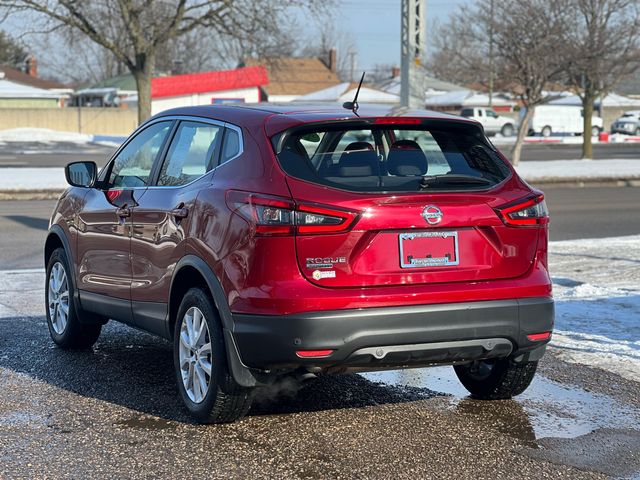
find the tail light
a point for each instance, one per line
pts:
(279, 216)
(531, 211)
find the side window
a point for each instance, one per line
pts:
(132, 167)
(231, 145)
(191, 155)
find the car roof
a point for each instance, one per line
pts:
(277, 117)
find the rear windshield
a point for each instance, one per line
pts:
(393, 158)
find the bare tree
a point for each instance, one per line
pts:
(461, 48)
(529, 55)
(604, 42)
(134, 31)
(525, 41)
(319, 45)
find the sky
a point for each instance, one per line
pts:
(375, 26)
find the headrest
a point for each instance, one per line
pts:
(406, 158)
(358, 160)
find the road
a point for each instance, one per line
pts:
(576, 213)
(58, 155)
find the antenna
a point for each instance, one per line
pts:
(353, 106)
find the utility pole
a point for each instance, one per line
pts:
(491, 13)
(413, 34)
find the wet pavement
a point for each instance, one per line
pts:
(114, 412)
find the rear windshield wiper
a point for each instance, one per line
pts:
(455, 179)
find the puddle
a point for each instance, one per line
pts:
(146, 423)
(546, 409)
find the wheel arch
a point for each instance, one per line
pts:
(191, 271)
(56, 238)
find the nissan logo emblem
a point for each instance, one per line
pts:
(432, 214)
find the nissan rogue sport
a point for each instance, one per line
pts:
(266, 241)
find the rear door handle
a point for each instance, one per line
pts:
(180, 212)
(123, 212)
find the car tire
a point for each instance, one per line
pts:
(507, 130)
(546, 131)
(67, 323)
(496, 379)
(637, 132)
(595, 131)
(198, 346)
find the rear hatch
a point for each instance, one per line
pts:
(388, 205)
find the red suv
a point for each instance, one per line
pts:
(265, 241)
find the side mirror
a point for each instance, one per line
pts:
(81, 174)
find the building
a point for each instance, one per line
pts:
(204, 88)
(454, 101)
(345, 92)
(293, 77)
(241, 85)
(18, 95)
(26, 90)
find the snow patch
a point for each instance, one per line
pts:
(43, 135)
(579, 169)
(16, 179)
(597, 293)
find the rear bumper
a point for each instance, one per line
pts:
(395, 336)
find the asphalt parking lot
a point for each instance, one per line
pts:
(114, 413)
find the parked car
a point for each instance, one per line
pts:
(491, 121)
(266, 241)
(563, 119)
(628, 123)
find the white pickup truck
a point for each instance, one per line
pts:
(491, 121)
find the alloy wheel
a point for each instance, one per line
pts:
(58, 298)
(195, 354)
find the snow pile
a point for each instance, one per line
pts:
(29, 179)
(597, 292)
(571, 170)
(42, 135)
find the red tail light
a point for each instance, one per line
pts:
(527, 212)
(280, 216)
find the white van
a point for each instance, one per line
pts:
(566, 119)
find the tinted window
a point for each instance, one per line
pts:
(231, 145)
(410, 159)
(467, 112)
(191, 155)
(132, 166)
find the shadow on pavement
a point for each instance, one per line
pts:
(134, 370)
(30, 222)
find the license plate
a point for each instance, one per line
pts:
(428, 249)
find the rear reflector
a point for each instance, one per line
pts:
(538, 337)
(313, 353)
